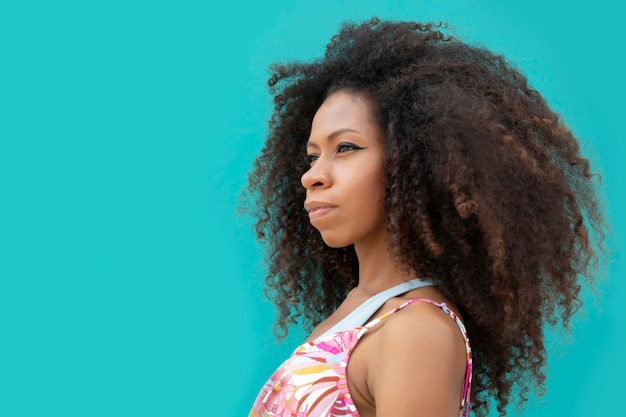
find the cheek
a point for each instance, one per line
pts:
(368, 186)
(367, 200)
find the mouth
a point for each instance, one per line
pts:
(317, 210)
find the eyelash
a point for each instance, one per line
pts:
(350, 147)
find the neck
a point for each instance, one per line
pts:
(377, 270)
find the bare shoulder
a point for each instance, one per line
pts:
(417, 362)
(426, 320)
(422, 329)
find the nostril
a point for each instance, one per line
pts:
(317, 183)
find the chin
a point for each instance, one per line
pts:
(335, 242)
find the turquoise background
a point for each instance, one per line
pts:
(129, 287)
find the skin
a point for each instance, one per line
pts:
(413, 363)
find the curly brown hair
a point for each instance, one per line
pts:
(486, 193)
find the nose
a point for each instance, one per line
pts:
(318, 176)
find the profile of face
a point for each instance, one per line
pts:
(345, 182)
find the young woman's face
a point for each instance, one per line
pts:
(345, 183)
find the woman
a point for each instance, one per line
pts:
(416, 193)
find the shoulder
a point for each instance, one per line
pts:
(420, 328)
(418, 354)
(423, 317)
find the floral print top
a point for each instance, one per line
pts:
(313, 383)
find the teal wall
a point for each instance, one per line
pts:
(128, 287)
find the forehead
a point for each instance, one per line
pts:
(344, 109)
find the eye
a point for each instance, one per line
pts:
(311, 158)
(345, 147)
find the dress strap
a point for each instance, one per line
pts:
(365, 311)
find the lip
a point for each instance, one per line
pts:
(318, 209)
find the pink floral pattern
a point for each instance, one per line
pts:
(313, 383)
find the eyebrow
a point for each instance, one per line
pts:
(332, 136)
